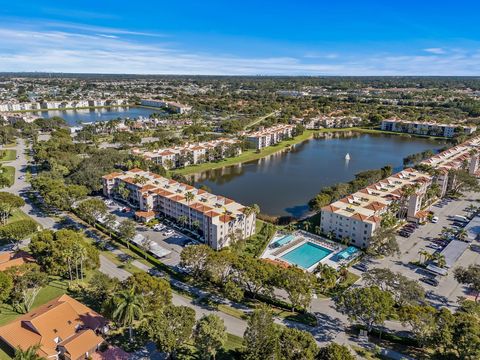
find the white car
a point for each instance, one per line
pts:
(435, 219)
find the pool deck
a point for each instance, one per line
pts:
(299, 238)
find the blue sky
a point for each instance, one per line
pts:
(421, 37)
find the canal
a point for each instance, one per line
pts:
(283, 183)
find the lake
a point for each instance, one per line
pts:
(283, 183)
(73, 117)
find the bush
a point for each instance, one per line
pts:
(18, 230)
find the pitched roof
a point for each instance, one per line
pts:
(80, 343)
(11, 259)
(60, 317)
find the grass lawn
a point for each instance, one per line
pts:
(17, 215)
(8, 154)
(254, 245)
(9, 171)
(248, 155)
(233, 342)
(54, 289)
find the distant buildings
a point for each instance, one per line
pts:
(328, 122)
(62, 328)
(190, 154)
(217, 219)
(54, 105)
(13, 118)
(357, 216)
(269, 136)
(171, 105)
(427, 128)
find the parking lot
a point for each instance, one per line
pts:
(422, 239)
(166, 236)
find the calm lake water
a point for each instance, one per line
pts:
(283, 183)
(72, 117)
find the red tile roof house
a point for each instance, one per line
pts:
(62, 328)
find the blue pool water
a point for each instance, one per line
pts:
(284, 240)
(306, 255)
(347, 253)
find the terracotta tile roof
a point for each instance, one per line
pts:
(359, 216)
(129, 180)
(83, 341)
(11, 259)
(279, 263)
(111, 176)
(226, 218)
(330, 208)
(60, 317)
(212, 214)
(144, 214)
(200, 207)
(375, 206)
(135, 170)
(148, 187)
(177, 198)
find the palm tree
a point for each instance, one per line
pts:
(183, 219)
(441, 262)
(306, 225)
(196, 225)
(129, 309)
(425, 254)
(462, 234)
(28, 354)
(189, 196)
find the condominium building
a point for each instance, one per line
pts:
(49, 105)
(357, 216)
(427, 128)
(195, 153)
(270, 136)
(465, 156)
(328, 122)
(173, 106)
(218, 219)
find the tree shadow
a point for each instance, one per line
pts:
(327, 327)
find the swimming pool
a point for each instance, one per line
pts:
(306, 255)
(284, 240)
(346, 253)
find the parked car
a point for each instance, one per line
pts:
(435, 219)
(405, 234)
(361, 267)
(460, 218)
(429, 281)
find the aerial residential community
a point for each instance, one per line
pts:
(217, 186)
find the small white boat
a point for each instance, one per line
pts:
(347, 157)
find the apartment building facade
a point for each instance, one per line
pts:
(427, 128)
(463, 156)
(50, 105)
(357, 216)
(217, 219)
(270, 136)
(171, 105)
(194, 153)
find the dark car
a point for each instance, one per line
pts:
(429, 281)
(360, 266)
(405, 234)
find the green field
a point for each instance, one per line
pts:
(8, 154)
(9, 171)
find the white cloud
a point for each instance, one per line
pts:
(436, 51)
(101, 50)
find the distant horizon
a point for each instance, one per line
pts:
(247, 38)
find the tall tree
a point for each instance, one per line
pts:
(334, 351)
(261, 336)
(469, 276)
(210, 336)
(297, 344)
(129, 308)
(369, 306)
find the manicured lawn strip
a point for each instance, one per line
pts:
(8, 155)
(255, 245)
(55, 288)
(233, 342)
(17, 215)
(10, 172)
(248, 155)
(251, 155)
